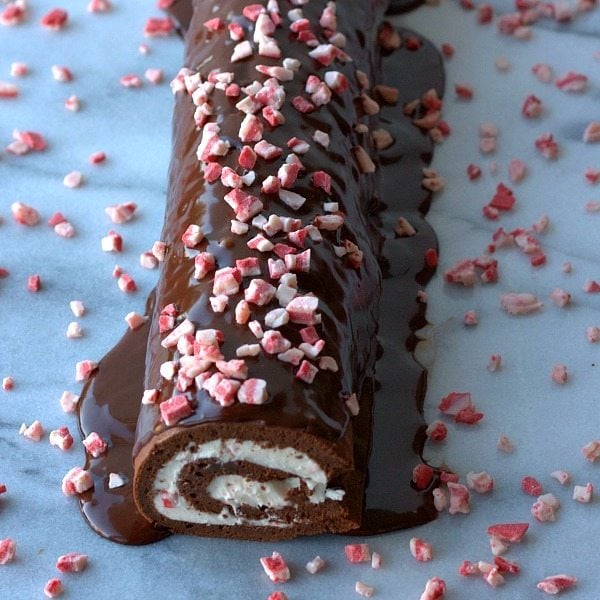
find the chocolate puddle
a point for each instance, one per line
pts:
(110, 403)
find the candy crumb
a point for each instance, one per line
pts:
(34, 432)
(563, 477)
(53, 588)
(275, 567)
(315, 565)
(357, 553)
(556, 583)
(583, 493)
(420, 549)
(362, 589)
(8, 548)
(115, 481)
(435, 589)
(505, 445)
(72, 562)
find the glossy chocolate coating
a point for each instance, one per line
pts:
(398, 426)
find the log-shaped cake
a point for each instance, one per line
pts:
(263, 339)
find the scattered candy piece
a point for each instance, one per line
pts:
(275, 567)
(53, 588)
(556, 583)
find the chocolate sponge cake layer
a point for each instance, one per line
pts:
(282, 415)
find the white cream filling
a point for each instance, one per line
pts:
(235, 491)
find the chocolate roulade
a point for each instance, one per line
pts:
(263, 338)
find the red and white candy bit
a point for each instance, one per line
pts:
(73, 179)
(532, 107)
(34, 283)
(467, 568)
(530, 485)
(158, 27)
(61, 73)
(61, 438)
(53, 588)
(68, 401)
(175, 409)
(508, 532)
(8, 383)
(559, 374)
(440, 500)
(545, 507)
(591, 133)
(315, 565)
(436, 431)
(130, 81)
(154, 76)
(459, 498)
(591, 451)
(494, 363)
(583, 493)
(72, 562)
(435, 589)
(506, 566)
(420, 549)
(497, 546)
(362, 589)
(99, 6)
(375, 560)
(481, 482)
(134, 320)
(592, 176)
(278, 596)
(8, 90)
(34, 432)
(120, 213)
(97, 158)
(276, 568)
(591, 286)
(457, 404)
(112, 242)
(563, 477)
(55, 20)
(13, 13)
(126, 283)
(23, 214)
(520, 303)
(547, 146)
(592, 334)
(493, 577)
(357, 553)
(560, 297)
(572, 82)
(115, 480)
(470, 318)
(422, 476)
(517, 170)
(76, 481)
(25, 141)
(95, 445)
(556, 583)
(8, 548)
(73, 103)
(463, 91)
(84, 369)
(18, 69)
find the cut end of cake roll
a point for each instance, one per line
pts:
(247, 482)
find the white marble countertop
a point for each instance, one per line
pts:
(547, 423)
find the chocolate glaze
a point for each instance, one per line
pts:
(111, 402)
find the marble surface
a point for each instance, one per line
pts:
(547, 423)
